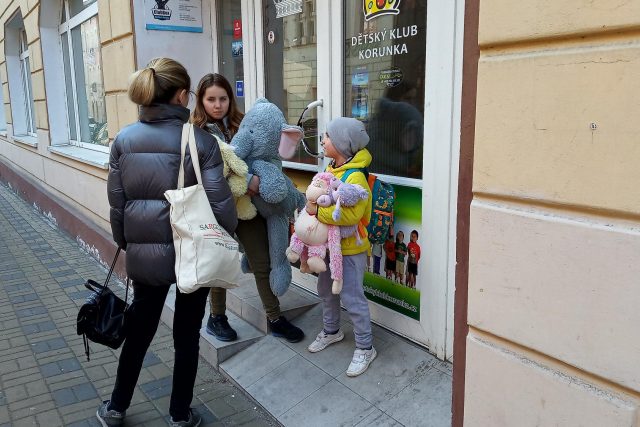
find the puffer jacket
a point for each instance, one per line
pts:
(144, 163)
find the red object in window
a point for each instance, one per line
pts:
(237, 29)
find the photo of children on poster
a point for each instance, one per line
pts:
(392, 273)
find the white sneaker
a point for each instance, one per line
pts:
(323, 340)
(361, 361)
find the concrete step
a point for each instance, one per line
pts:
(245, 302)
(213, 350)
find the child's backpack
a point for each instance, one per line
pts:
(382, 197)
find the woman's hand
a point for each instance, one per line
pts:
(253, 189)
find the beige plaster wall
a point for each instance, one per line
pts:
(554, 284)
(80, 184)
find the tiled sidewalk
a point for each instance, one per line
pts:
(45, 378)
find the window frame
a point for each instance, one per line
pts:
(16, 49)
(64, 30)
(25, 76)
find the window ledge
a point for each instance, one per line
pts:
(29, 140)
(84, 155)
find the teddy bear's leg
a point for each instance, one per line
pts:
(295, 249)
(335, 258)
(246, 209)
(336, 287)
(316, 258)
(278, 233)
(304, 256)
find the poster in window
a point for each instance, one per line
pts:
(360, 94)
(173, 15)
(395, 266)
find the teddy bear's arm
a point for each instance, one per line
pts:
(273, 183)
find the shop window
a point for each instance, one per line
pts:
(19, 76)
(384, 81)
(82, 65)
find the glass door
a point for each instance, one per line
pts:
(290, 68)
(230, 49)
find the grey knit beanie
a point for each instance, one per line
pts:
(347, 135)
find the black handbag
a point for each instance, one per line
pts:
(102, 317)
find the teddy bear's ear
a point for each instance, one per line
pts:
(289, 139)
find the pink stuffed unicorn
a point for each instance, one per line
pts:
(311, 239)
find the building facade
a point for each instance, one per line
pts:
(554, 244)
(506, 131)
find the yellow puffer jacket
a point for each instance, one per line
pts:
(351, 215)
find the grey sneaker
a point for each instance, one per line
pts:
(193, 421)
(324, 339)
(361, 361)
(109, 417)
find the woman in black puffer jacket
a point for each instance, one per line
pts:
(144, 163)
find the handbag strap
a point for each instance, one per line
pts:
(188, 139)
(113, 265)
(106, 282)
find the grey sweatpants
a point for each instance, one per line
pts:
(352, 296)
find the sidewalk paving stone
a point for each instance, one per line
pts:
(45, 379)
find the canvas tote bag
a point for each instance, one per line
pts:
(206, 255)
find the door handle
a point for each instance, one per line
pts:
(315, 104)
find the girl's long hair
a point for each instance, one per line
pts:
(199, 117)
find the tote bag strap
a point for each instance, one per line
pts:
(188, 138)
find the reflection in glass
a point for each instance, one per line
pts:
(86, 102)
(384, 83)
(231, 64)
(76, 6)
(291, 68)
(92, 108)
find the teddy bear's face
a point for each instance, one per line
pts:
(317, 188)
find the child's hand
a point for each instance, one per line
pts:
(311, 208)
(253, 189)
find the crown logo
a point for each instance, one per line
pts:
(374, 8)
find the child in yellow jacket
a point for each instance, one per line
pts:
(345, 142)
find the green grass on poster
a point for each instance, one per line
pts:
(392, 295)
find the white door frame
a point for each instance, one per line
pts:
(443, 71)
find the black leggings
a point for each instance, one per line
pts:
(142, 323)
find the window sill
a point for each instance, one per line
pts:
(29, 140)
(84, 155)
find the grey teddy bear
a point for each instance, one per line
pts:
(262, 139)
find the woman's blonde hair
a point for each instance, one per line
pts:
(158, 82)
(199, 117)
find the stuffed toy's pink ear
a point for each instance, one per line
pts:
(289, 139)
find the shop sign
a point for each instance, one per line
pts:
(287, 7)
(173, 15)
(388, 42)
(391, 78)
(374, 8)
(237, 29)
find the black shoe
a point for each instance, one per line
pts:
(218, 326)
(193, 421)
(282, 328)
